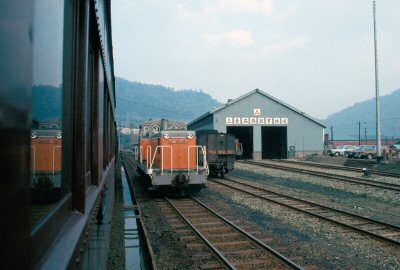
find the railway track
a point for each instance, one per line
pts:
(218, 241)
(343, 178)
(337, 167)
(376, 229)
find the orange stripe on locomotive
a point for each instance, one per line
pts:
(46, 155)
(172, 153)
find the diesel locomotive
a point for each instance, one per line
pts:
(46, 151)
(170, 158)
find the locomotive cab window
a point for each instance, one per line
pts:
(47, 183)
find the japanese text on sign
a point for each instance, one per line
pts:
(256, 121)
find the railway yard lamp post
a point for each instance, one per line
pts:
(378, 116)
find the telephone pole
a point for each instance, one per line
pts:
(332, 134)
(365, 135)
(378, 116)
(359, 133)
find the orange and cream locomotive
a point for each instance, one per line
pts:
(46, 151)
(169, 155)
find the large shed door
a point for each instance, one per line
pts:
(245, 136)
(274, 142)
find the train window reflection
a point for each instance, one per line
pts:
(47, 187)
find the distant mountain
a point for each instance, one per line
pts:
(46, 103)
(345, 121)
(137, 102)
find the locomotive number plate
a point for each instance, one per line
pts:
(175, 141)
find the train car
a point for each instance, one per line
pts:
(222, 149)
(169, 156)
(58, 134)
(46, 152)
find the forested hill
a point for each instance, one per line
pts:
(345, 121)
(137, 102)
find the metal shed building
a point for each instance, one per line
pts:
(266, 127)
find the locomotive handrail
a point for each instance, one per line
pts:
(34, 161)
(203, 149)
(135, 152)
(162, 158)
(54, 153)
(205, 165)
(148, 156)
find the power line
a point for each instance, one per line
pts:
(149, 106)
(366, 122)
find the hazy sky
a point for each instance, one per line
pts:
(316, 55)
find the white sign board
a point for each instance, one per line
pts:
(236, 120)
(256, 120)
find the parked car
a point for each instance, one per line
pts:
(368, 152)
(352, 153)
(341, 150)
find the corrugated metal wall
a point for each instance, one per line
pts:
(205, 123)
(303, 133)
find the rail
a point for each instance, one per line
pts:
(343, 178)
(318, 210)
(336, 167)
(227, 223)
(223, 259)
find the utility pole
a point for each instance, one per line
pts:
(365, 135)
(359, 133)
(378, 116)
(332, 134)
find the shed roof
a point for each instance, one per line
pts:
(264, 94)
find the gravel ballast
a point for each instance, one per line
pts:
(309, 241)
(318, 242)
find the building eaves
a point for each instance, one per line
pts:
(201, 117)
(270, 97)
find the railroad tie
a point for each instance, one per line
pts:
(233, 243)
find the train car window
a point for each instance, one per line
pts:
(88, 118)
(101, 112)
(109, 133)
(105, 132)
(47, 184)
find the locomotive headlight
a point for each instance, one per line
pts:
(166, 136)
(59, 135)
(189, 135)
(33, 135)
